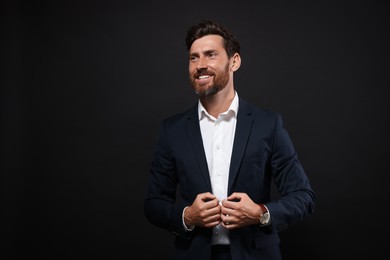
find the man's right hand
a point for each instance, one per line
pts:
(205, 211)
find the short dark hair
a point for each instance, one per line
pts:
(207, 27)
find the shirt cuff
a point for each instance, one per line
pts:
(190, 228)
(268, 212)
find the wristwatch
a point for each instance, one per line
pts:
(264, 218)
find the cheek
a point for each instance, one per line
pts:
(191, 69)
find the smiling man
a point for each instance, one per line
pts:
(213, 165)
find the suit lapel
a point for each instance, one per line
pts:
(243, 129)
(195, 137)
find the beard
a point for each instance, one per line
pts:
(219, 82)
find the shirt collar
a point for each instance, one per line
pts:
(233, 108)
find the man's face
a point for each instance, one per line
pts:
(208, 65)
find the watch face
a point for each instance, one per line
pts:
(264, 218)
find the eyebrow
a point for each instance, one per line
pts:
(207, 52)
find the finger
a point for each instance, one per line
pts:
(228, 204)
(207, 196)
(227, 218)
(213, 220)
(230, 226)
(234, 197)
(212, 204)
(212, 208)
(228, 221)
(227, 211)
(212, 224)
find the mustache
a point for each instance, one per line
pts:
(202, 73)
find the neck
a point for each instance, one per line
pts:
(218, 103)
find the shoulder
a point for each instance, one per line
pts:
(258, 112)
(181, 117)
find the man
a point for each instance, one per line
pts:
(213, 165)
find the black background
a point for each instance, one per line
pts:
(85, 85)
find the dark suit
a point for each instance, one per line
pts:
(262, 151)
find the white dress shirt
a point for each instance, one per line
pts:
(218, 137)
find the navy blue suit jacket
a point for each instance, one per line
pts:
(262, 153)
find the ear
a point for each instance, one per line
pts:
(236, 62)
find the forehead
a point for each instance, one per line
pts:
(208, 42)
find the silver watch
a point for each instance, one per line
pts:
(264, 218)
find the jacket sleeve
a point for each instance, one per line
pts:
(296, 195)
(160, 205)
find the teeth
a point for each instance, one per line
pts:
(204, 77)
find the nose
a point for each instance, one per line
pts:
(202, 64)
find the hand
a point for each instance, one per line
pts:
(239, 210)
(205, 211)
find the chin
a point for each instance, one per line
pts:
(207, 92)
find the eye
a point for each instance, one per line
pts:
(212, 54)
(193, 58)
